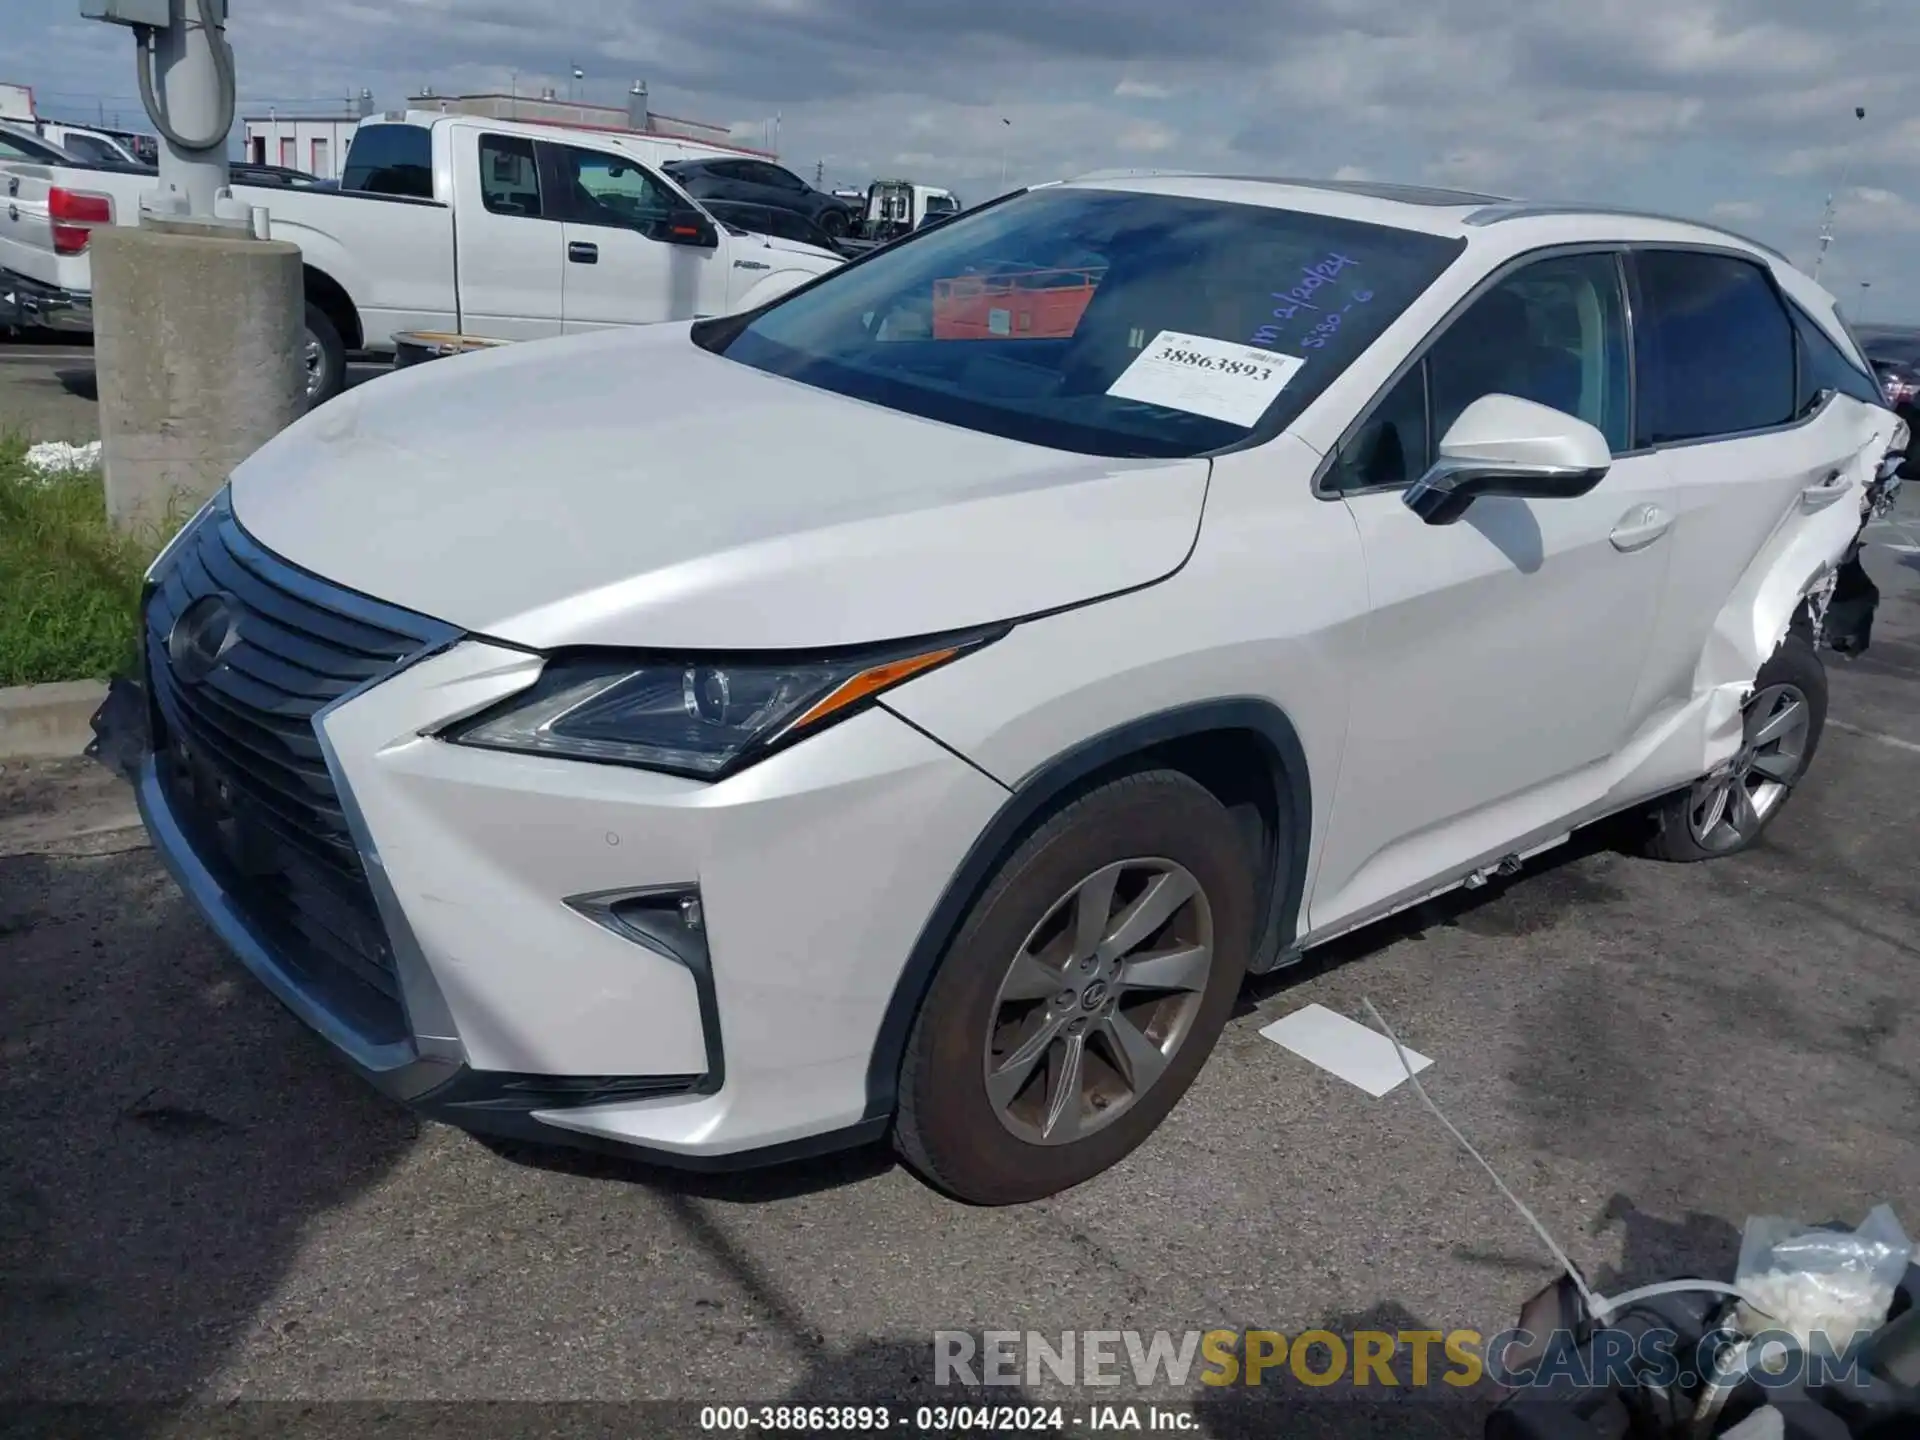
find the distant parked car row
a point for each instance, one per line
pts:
(1895, 353)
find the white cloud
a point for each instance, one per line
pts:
(1666, 104)
(1146, 139)
(1737, 210)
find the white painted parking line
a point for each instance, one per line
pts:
(1343, 1047)
(1893, 740)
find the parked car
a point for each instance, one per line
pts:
(246, 172)
(92, 147)
(1895, 353)
(587, 750)
(21, 142)
(496, 229)
(765, 220)
(761, 182)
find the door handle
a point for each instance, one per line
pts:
(583, 252)
(1639, 528)
(1818, 497)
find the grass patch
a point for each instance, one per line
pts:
(69, 582)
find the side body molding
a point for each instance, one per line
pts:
(1038, 792)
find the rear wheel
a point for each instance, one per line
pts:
(1082, 994)
(833, 224)
(1727, 811)
(323, 357)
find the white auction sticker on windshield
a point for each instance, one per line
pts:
(1216, 378)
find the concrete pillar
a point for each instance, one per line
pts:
(197, 351)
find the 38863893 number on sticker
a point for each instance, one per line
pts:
(1220, 379)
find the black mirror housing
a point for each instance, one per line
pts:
(689, 227)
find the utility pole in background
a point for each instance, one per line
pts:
(1826, 220)
(197, 314)
(819, 173)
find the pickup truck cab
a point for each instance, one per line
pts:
(499, 229)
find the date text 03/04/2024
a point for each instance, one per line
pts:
(939, 1419)
(905, 1419)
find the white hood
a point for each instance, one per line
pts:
(630, 488)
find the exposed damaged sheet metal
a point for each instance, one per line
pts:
(1808, 573)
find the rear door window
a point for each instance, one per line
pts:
(1714, 348)
(390, 160)
(1823, 367)
(510, 177)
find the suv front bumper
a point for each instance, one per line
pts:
(535, 999)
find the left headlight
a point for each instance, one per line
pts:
(696, 717)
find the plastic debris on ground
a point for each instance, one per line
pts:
(57, 457)
(1810, 1281)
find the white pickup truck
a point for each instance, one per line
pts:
(500, 229)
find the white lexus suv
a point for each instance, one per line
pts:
(913, 707)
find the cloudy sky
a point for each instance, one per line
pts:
(1735, 110)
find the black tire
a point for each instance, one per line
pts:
(947, 1128)
(1678, 833)
(833, 224)
(323, 357)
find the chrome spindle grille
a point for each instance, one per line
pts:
(241, 762)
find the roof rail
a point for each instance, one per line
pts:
(1373, 189)
(1528, 210)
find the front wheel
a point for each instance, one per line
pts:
(323, 357)
(1727, 811)
(1082, 994)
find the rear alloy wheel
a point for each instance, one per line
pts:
(1726, 812)
(1082, 995)
(833, 224)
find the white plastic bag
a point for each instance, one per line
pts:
(1830, 1283)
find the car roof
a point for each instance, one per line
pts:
(1465, 214)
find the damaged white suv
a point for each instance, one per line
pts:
(914, 706)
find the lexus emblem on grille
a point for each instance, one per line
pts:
(201, 637)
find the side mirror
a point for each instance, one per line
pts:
(1503, 445)
(689, 227)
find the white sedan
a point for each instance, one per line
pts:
(913, 707)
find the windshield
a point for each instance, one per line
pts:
(1098, 321)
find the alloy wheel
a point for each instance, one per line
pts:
(1098, 1000)
(314, 356)
(1729, 808)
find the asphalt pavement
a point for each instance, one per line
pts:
(198, 1202)
(47, 389)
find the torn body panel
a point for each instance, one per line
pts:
(1783, 562)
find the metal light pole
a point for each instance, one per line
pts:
(1826, 221)
(1005, 140)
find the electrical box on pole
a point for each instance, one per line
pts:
(130, 12)
(186, 82)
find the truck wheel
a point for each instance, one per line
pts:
(1082, 994)
(323, 357)
(1726, 812)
